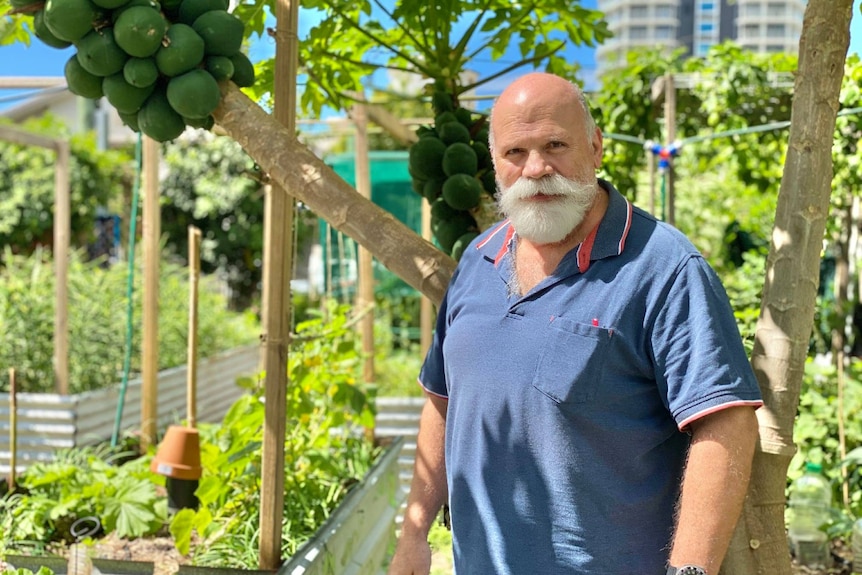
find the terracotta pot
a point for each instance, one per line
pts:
(179, 454)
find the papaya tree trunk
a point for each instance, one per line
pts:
(307, 178)
(783, 330)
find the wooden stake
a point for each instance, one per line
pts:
(651, 164)
(278, 266)
(62, 233)
(13, 429)
(670, 132)
(365, 293)
(150, 344)
(192, 353)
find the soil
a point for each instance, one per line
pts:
(157, 550)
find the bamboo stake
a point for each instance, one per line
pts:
(62, 234)
(279, 257)
(651, 160)
(670, 132)
(192, 353)
(13, 428)
(150, 344)
(365, 293)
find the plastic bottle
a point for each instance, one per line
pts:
(810, 501)
(856, 546)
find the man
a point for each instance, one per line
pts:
(590, 405)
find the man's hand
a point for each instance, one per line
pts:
(412, 557)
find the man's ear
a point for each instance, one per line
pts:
(597, 146)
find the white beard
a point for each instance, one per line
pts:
(551, 220)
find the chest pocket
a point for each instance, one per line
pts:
(572, 360)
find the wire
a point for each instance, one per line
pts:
(130, 288)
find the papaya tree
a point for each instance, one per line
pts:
(786, 319)
(790, 289)
(450, 164)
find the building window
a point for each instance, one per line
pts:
(638, 11)
(751, 9)
(665, 11)
(776, 9)
(707, 6)
(707, 27)
(637, 33)
(664, 32)
(773, 48)
(775, 31)
(751, 31)
(703, 49)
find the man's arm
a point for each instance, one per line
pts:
(714, 487)
(428, 492)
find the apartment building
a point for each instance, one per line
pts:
(758, 25)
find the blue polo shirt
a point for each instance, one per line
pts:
(564, 449)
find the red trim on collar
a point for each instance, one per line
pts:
(503, 248)
(586, 249)
(622, 243)
(499, 227)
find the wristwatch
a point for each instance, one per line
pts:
(686, 570)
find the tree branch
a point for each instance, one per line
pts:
(462, 44)
(538, 58)
(401, 26)
(523, 16)
(378, 41)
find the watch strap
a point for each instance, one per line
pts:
(686, 570)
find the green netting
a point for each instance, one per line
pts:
(391, 190)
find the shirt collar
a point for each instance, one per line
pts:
(606, 240)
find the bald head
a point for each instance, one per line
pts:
(541, 91)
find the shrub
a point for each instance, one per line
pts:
(98, 321)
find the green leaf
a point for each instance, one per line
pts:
(181, 529)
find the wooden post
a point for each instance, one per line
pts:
(670, 132)
(13, 428)
(651, 160)
(278, 265)
(426, 310)
(150, 343)
(192, 352)
(62, 234)
(365, 293)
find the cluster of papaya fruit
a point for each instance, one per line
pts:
(450, 166)
(157, 64)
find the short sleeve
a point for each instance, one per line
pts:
(432, 376)
(701, 364)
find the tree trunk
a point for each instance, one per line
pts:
(786, 318)
(296, 169)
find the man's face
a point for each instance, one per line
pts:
(545, 168)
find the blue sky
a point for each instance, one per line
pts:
(40, 60)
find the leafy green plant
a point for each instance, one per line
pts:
(98, 179)
(326, 453)
(816, 436)
(80, 482)
(326, 450)
(97, 321)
